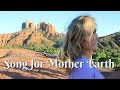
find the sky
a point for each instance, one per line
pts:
(108, 22)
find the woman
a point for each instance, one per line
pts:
(80, 42)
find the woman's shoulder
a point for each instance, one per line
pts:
(84, 72)
(81, 59)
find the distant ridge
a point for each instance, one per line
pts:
(110, 41)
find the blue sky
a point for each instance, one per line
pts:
(108, 22)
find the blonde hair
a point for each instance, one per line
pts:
(81, 28)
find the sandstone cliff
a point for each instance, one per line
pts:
(25, 37)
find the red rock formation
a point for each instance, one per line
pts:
(41, 25)
(30, 35)
(24, 37)
(32, 25)
(28, 24)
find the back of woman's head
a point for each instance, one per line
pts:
(81, 28)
